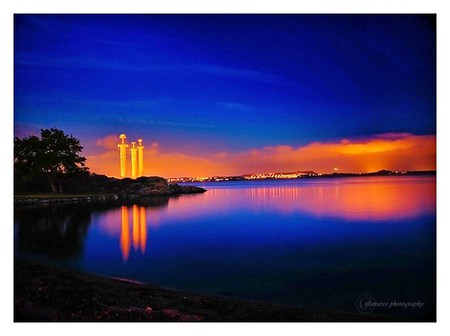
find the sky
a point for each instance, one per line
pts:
(233, 94)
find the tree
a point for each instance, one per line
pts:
(53, 155)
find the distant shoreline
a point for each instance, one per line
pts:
(310, 176)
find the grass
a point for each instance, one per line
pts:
(51, 195)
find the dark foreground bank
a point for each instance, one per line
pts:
(48, 294)
(100, 188)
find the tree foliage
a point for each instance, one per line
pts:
(53, 155)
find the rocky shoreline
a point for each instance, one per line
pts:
(44, 294)
(106, 189)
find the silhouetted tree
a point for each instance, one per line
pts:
(52, 155)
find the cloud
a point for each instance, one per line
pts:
(401, 151)
(85, 32)
(22, 130)
(234, 106)
(110, 142)
(63, 61)
(239, 73)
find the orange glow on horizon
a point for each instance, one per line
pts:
(392, 151)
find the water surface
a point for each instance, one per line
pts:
(318, 242)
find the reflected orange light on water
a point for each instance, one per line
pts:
(125, 235)
(357, 199)
(143, 229)
(139, 231)
(136, 227)
(384, 199)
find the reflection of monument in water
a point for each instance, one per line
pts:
(138, 231)
(125, 234)
(137, 157)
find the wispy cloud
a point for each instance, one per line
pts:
(180, 124)
(22, 130)
(225, 71)
(38, 59)
(64, 29)
(71, 98)
(239, 107)
(150, 106)
(96, 34)
(235, 106)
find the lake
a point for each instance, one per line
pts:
(321, 242)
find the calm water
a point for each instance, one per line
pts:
(313, 242)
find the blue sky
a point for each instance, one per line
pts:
(225, 82)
